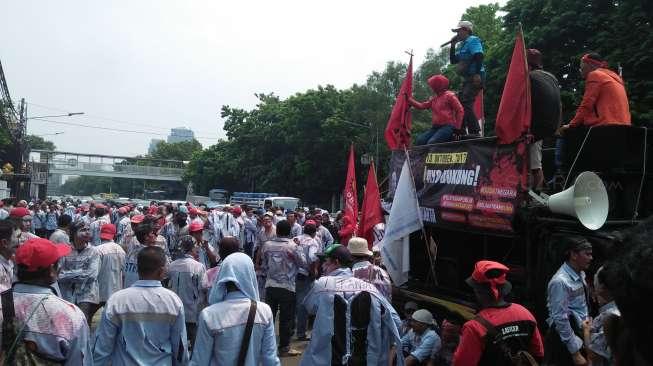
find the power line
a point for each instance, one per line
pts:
(158, 127)
(113, 129)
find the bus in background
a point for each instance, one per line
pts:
(218, 196)
(251, 199)
(284, 203)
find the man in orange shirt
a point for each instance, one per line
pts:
(605, 100)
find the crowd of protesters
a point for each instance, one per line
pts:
(179, 284)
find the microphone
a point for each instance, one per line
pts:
(446, 43)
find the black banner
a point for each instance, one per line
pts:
(474, 183)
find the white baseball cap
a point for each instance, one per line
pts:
(423, 316)
(464, 24)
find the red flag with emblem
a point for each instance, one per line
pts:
(371, 213)
(349, 193)
(397, 131)
(514, 116)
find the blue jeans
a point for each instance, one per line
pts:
(442, 133)
(302, 285)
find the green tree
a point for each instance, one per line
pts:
(35, 142)
(176, 151)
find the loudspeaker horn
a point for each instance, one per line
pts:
(587, 200)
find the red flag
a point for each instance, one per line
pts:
(349, 193)
(514, 116)
(397, 131)
(371, 214)
(479, 110)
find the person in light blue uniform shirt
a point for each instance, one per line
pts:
(144, 324)
(354, 323)
(421, 341)
(101, 218)
(145, 237)
(221, 326)
(567, 302)
(56, 329)
(187, 277)
(78, 279)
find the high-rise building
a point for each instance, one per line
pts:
(153, 145)
(180, 134)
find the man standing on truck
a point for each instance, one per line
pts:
(468, 59)
(500, 329)
(567, 301)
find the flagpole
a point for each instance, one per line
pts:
(419, 213)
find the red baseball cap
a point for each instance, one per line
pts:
(310, 222)
(137, 219)
(108, 231)
(237, 211)
(122, 210)
(195, 226)
(40, 253)
(19, 212)
(193, 211)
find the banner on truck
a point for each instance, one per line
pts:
(474, 183)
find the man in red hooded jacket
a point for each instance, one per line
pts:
(446, 111)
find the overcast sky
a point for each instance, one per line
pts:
(149, 66)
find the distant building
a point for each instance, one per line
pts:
(153, 145)
(180, 134)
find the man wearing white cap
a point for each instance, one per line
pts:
(468, 58)
(417, 345)
(365, 270)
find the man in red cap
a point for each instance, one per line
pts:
(128, 239)
(207, 254)
(112, 261)
(22, 217)
(54, 329)
(122, 223)
(498, 323)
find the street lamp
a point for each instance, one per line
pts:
(58, 115)
(376, 132)
(50, 134)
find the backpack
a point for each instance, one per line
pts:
(518, 358)
(15, 350)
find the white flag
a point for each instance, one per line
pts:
(404, 219)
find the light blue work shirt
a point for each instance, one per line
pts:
(325, 237)
(186, 278)
(121, 228)
(142, 325)
(567, 302)
(112, 262)
(466, 50)
(38, 220)
(221, 326)
(598, 342)
(95, 228)
(78, 276)
(51, 220)
(382, 331)
(282, 259)
(131, 264)
(421, 346)
(57, 327)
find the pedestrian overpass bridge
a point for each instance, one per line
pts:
(69, 163)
